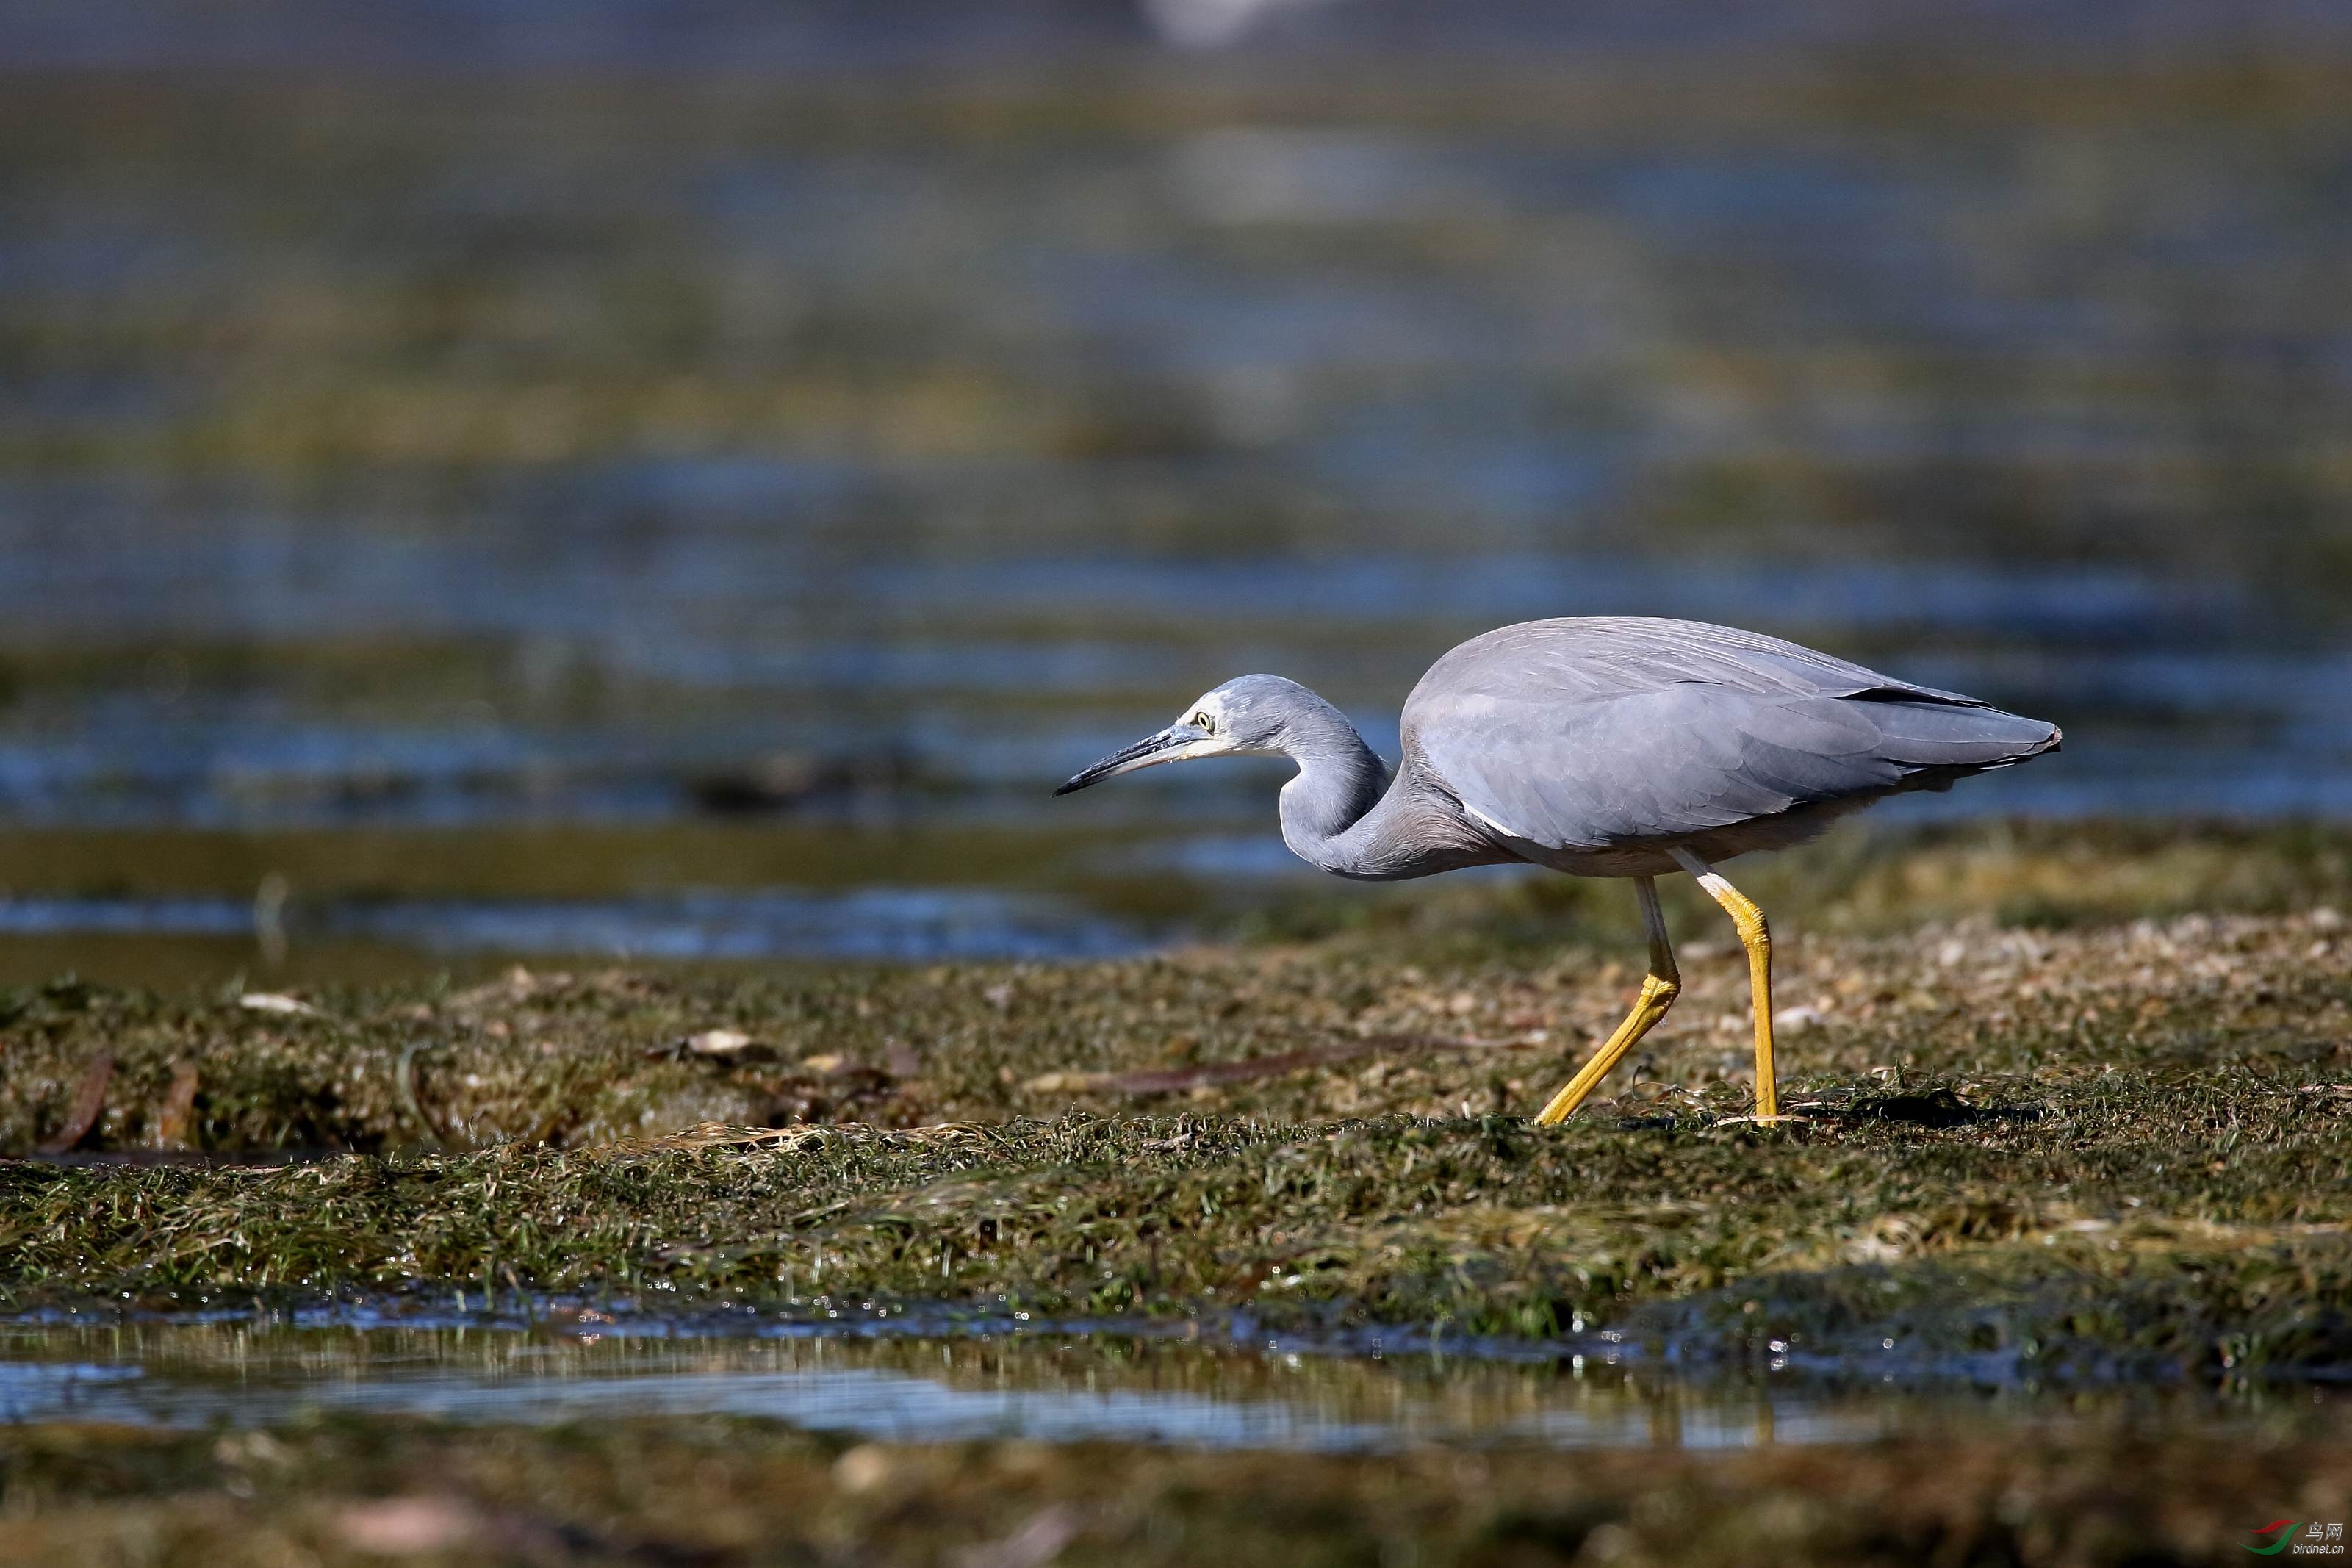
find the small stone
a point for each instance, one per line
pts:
(411, 1526)
(863, 1468)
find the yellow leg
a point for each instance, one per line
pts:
(1659, 988)
(1757, 937)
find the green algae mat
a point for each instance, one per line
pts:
(2109, 1145)
(2040, 1164)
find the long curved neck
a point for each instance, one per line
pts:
(1339, 781)
(1342, 813)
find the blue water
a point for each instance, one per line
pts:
(869, 925)
(934, 1378)
(897, 1406)
(921, 1373)
(863, 451)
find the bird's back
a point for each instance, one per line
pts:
(1599, 739)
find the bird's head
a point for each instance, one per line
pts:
(1246, 716)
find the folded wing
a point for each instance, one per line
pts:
(1590, 733)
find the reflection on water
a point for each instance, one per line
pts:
(1215, 1389)
(855, 448)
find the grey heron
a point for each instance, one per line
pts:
(1602, 746)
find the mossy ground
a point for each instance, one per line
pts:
(711, 1491)
(2099, 1148)
(2104, 1140)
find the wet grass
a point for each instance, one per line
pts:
(2077, 1150)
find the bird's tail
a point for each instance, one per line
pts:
(1935, 742)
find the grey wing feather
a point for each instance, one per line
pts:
(1590, 733)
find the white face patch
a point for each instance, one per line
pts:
(1206, 714)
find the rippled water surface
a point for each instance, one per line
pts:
(861, 440)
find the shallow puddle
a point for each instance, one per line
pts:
(1224, 1387)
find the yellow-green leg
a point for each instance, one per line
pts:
(1757, 937)
(1659, 988)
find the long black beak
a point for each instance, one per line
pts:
(1127, 759)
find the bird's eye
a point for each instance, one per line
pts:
(1202, 721)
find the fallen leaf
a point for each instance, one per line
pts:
(89, 1103)
(177, 1119)
(271, 1002)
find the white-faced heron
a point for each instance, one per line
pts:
(1605, 746)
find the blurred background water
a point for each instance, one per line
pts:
(686, 481)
